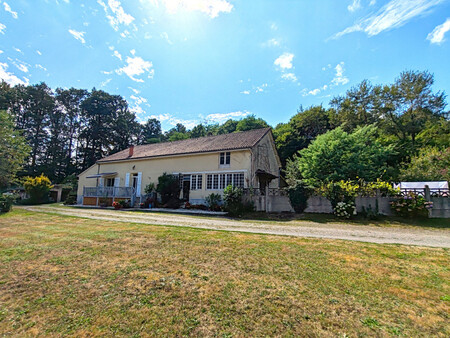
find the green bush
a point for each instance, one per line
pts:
(298, 195)
(38, 188)
(71, 199)
(169, 188)
(6, 202)
(233, 201)
(213, 201)
(411, 206)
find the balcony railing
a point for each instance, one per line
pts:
(122, 192)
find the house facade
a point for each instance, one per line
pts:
(204, 165)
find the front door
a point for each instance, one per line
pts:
(186, 189)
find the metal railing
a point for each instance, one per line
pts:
(122, 192)
(439, 192)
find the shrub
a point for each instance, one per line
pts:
(169, 188)
(233, 201)
(342, 191)
(150, 188)
(213, 201)
(411, 206)
(6, 202)
(38, 188)
(117, 205)
(71, 199)
(298, 195)
(124, 203)
(345, 209)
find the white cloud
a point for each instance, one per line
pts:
(355, 5)
(340, 78)
(372, 2)
(212, 8)
(78, 35)
(438, 33)
(104, 83)
(165, 36)
(117, 16)
(189, 124)
(2, 28)
(22, 67)
(117, 55)
(261, 88)
(41, 67)
(222, 117)
(18, 50)
(246, 92)
(1, 52)
(289, 76)
(106, 72)
(138, 99)
(10, 77)
(284, 61)
(394, 14)
(39, 53)
(272, 43)
(9, 10)
(136, 91)
(314, 92)
(161, 117)
(136, 66)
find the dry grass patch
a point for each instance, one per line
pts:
(67, 275)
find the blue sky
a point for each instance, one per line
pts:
(193, 61)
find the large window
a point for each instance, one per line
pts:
(109, 182)
(221, 181)
(225, 159)
(196, 182)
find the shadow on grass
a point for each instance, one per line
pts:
(441, 223)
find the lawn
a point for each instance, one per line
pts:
(67, 275)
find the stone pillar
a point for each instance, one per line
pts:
(427, 193)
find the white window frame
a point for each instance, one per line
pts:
(236, 179)
(226, 157)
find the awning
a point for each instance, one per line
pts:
(102, 175)
(265, 174)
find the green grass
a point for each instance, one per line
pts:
(72, 276)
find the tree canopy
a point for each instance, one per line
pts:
(338, 155)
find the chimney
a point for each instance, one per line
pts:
(131, 151)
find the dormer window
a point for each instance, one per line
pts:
(225, 159)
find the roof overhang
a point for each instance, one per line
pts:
(264, 174)
(102, 175)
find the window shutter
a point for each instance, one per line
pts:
(100, 182)
(127, 180)
(139, 181)
(117, 181)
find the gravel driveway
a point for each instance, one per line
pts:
(398, 235)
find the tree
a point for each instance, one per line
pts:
(38, 188)
(251, 122)
(301, 129)
(198, 131)
(228, 127)
(13, 150)
(431, 164)
(359, 107)
(338, 155)
(408, 105)
(151, 132)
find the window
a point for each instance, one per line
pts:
(221, 181)
(225, 159)
(196, 182)
(109, 182)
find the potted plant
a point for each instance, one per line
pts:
(117, 205)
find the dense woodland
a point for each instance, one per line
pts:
(400, 124)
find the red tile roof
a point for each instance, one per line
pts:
(234, 141)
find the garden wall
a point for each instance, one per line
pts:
(441, 207)
(321, 205)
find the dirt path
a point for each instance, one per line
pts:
(407, 236)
